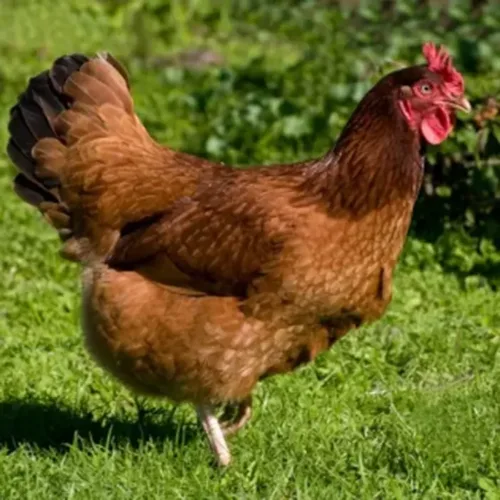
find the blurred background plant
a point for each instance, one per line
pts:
(251, 81)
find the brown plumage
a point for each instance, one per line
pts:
(199, 279)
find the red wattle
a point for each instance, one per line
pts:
(436, 126)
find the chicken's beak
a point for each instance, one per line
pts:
(460, 103)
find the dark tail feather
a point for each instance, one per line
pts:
(31, 192)
(63, 68)
(31, 119)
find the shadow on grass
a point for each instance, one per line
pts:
(50, 425)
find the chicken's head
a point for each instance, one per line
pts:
(429, 103)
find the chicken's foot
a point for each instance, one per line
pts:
(214, 434)
(235, 417)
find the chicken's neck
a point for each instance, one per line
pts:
(377, 160)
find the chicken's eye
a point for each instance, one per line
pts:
(425, 88)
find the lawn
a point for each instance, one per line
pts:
(408, 407)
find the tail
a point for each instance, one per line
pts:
(67, 129)
(32, 119)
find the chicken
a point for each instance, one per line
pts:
(199, 280)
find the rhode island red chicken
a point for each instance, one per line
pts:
(199, 279)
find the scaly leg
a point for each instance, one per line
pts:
(214, 434)
(231, 424)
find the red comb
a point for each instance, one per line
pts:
(439, 61)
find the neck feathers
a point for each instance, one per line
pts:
(375, 161)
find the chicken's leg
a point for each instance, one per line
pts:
(214, 434)
(231, 423)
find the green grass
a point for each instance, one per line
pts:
(406, 408)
